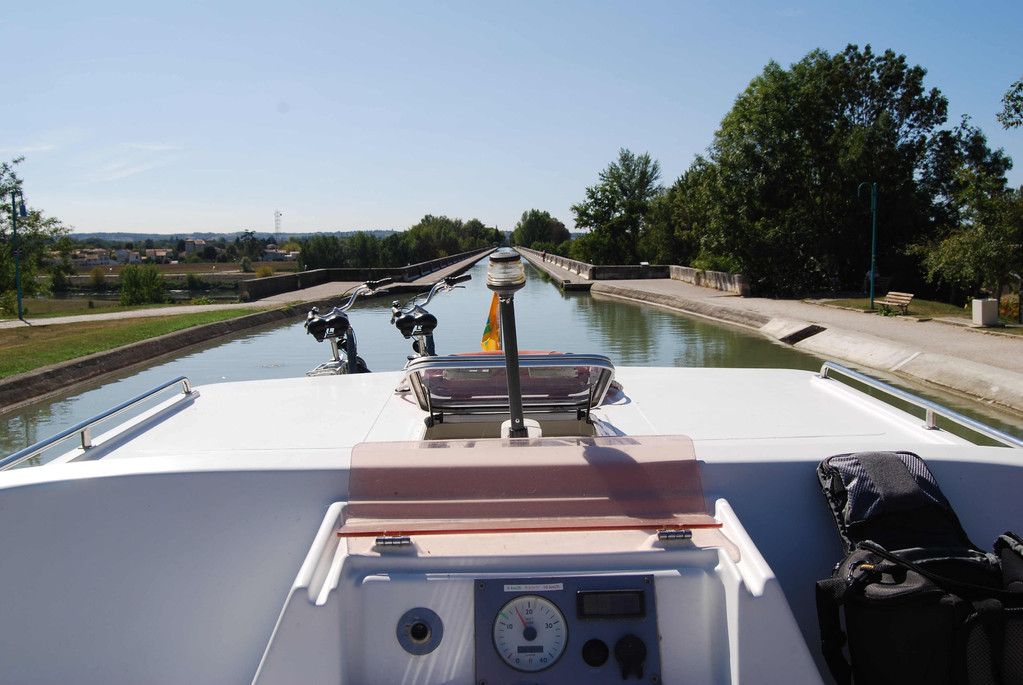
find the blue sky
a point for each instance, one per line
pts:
(208, 116)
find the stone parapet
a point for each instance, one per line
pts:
(258, 288)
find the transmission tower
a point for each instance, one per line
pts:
(277, 228)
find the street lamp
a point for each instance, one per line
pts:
(506, 276)
(873, 235)
(14, 229)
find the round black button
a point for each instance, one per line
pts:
(595, 653)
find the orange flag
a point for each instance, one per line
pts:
(492, 331)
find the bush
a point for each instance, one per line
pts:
(9, 303)
(264, 271)
(142, 285)
(246, 264)
(1008, 307)
(707, 261)
(98, 278)
(195, 282)
(60, 276)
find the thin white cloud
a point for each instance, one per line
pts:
(130, 159)
(53, 140)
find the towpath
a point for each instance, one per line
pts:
(981, 363)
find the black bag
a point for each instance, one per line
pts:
(921, 602)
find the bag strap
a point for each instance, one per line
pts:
(944, 582)
(830, 596)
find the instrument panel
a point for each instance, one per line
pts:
(594, 629)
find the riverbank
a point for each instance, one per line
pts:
(22, 389)
(976, 363)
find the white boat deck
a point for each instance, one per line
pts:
(199, 544)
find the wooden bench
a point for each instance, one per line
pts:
(900, 300)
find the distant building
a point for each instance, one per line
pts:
(159, 255)
(193, 245)
(90, 257)
(272, 254)
(128, 257)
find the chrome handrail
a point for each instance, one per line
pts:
(932, 409)
(84, 429)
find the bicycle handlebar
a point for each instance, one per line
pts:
(445, 285)
(367, 287)
(334, 323)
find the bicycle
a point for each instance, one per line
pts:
(414, 321)
(335, 326)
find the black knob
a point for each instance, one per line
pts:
(595, 653)
(630, 653)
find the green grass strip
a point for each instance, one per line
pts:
(27, 348)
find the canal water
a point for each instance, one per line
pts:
(546, 319)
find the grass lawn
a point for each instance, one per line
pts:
(921, 309)
(47, 307)
(30, 347)
(927, 309)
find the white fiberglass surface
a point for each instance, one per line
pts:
(744, 404)
(326, 414)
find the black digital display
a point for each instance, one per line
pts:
(610, 604)
(530, 649)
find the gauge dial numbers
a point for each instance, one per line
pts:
(530, 633)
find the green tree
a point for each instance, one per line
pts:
(98, 279)
(987, 247)
(539, 228)
(363, 250)
(37, 237)
(615, 209)
(782, 172)
(321, 252)
(250, 245)
(142, 285)
(1011, 115)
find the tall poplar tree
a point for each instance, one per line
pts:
(615, 210)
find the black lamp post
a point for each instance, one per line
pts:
(506, 276)
(14, 229)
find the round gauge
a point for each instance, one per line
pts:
(530, 633)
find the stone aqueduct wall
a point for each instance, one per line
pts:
(733, 283)
(258, 288)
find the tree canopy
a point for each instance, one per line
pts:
(1011, 115)
(38, 237)
(431, 238)
(540, 231)
(615, 210)
(775, 196)
(987, 247)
